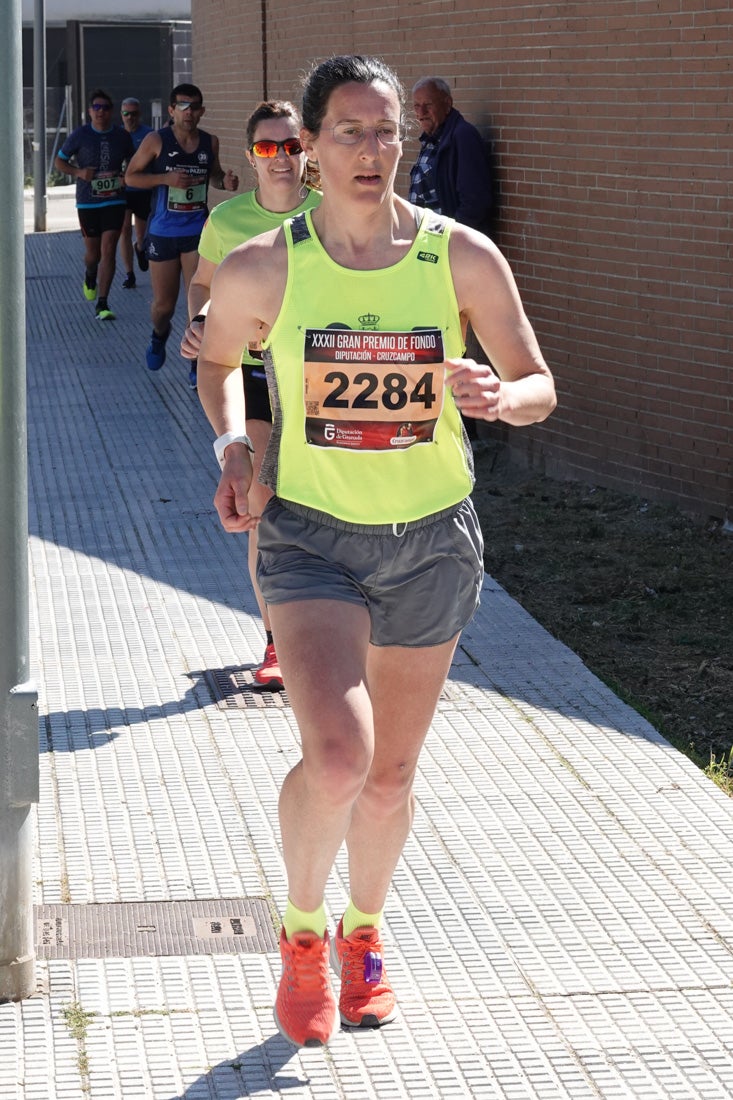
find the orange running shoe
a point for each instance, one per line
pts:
(305, 1008)
(367, 999)
(268, 674)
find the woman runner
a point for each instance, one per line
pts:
(370, 553)
(277, 159)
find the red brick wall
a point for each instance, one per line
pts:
(612, 129)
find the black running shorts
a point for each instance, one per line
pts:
(96, 220)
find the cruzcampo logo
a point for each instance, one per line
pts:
(428, 257)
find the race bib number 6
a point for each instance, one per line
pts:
(188, 198)
(372, 391)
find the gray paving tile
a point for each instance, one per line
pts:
(561, 923)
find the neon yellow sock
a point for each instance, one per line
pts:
(297, 920)
(354, 918)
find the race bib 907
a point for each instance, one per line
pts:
(106, 183)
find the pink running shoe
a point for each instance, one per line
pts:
(305, 1008)
(268, 674)
(367, 999)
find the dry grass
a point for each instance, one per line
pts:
(641, 592)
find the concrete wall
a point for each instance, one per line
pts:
(612, 131)
(61, 11)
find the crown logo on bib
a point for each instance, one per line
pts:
(369, 320)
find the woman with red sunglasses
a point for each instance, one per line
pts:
(277, 159)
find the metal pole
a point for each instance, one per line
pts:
(39, 117)
(18, 698)
(57, 138)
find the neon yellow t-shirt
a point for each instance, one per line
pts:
(237, 220)
(364, 426)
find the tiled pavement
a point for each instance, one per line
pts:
(561, 924)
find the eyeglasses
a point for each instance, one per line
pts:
(292, 147)
(181, 106)
(101, 106)
(130, 114)
(350, 133)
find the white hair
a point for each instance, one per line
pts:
(437, 82)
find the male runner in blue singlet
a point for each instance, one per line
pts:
(179, 161)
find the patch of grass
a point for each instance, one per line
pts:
(721, 771)
(77, 1020)
(640, 591)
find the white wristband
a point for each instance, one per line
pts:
(221, 444)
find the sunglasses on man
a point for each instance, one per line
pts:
(269, 149)
(130, 114)
(101, 106)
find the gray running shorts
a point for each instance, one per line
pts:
(420, 586)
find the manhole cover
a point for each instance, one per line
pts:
(235, 689)
(132, 929)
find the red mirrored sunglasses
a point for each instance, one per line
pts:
(292, 147)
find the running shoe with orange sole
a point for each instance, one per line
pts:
(305, 1009)
(269, 674)
(367, 999)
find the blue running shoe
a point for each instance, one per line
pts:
(155, 353)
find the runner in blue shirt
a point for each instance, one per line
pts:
(95, 154)
(179, 161)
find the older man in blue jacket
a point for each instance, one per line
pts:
(452, 174)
